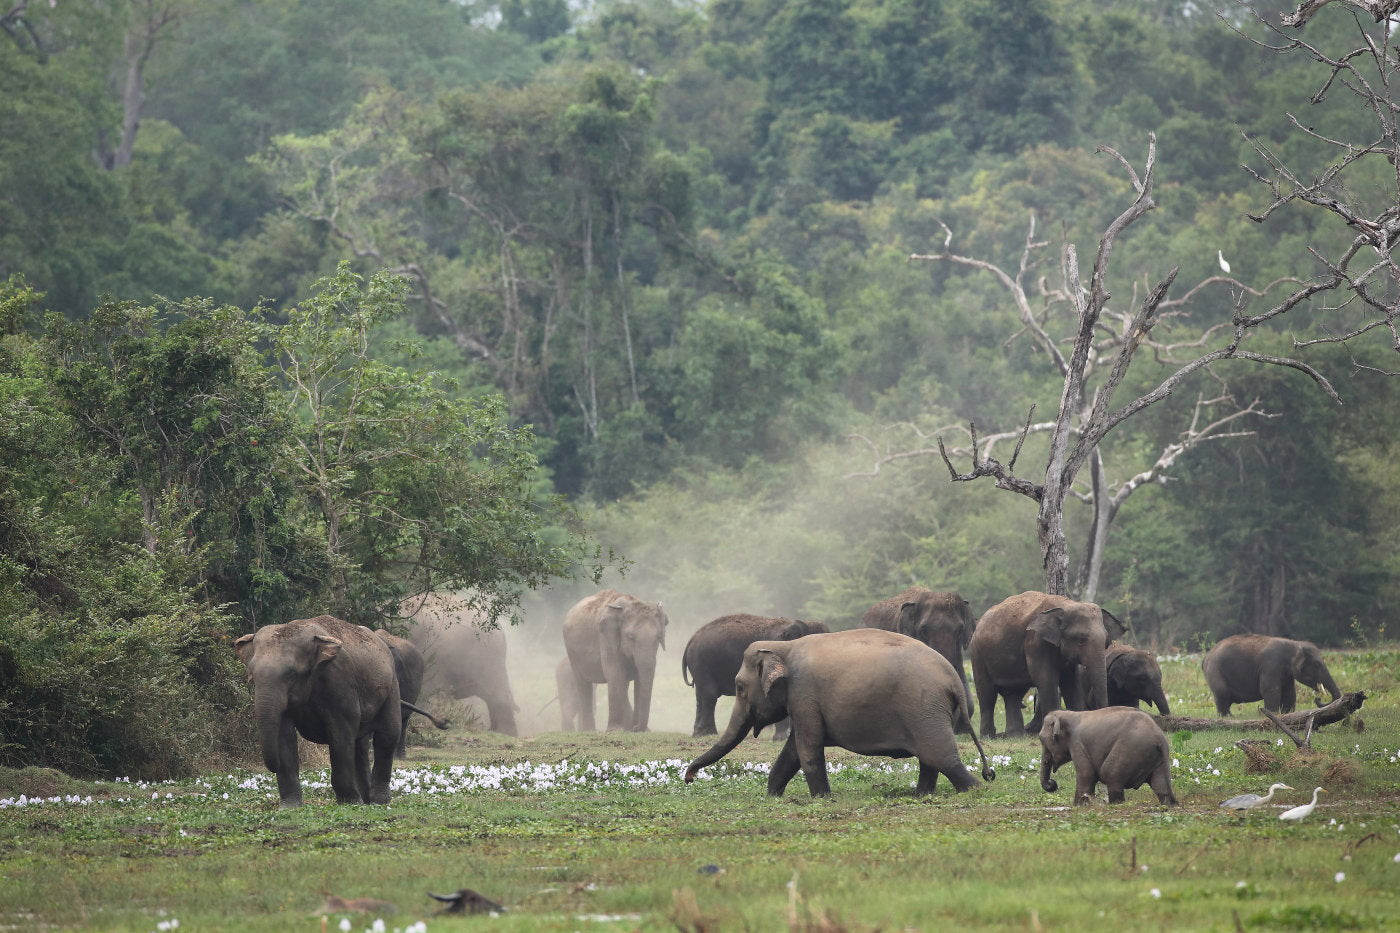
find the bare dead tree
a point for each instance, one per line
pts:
(1353, 294)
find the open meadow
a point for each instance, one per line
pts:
(585, 832)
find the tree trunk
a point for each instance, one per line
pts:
(1335, 711)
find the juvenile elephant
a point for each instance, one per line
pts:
(943, 621)
(1134, 676)
(716, 650)
(334, 683)
(1118, 745)
(866, 690)
(408, 667)
(1038, 640)
(462, 658)
(612, 638)
(1246, 668)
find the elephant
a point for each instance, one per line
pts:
(1038, 640)
(408, 667)
(464, 659)
(716, 650)
(866, 690)
(612, 638)
(334, 683)
(1246, 668)
(943, 621)
(1134, 676)
(1117, 745)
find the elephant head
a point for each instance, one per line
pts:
(632, 631)
(1066, 633)
(760, 699)
(943, 621)
(283, 662)
(1310, 670)
(1054, 744)
(1137, 675)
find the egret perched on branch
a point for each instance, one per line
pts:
(1297, 813)
(1225, 266)
(1250, 801)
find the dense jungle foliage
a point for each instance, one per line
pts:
(313, 304)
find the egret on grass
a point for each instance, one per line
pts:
(1224, 266)
(1250, 801)
(1297, 813)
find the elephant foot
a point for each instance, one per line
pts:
(289, 803)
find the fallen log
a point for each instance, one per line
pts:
(1336, 711)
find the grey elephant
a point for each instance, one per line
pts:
(567, 693)
(1134, 676)
(612, 638)
(334, 683)
(1247, 668)
(943, 621)
(463, 659)
(714, 653)
(1118, 746)
(1038, 640)
(865, 690)
(408, 667)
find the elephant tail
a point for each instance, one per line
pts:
(685, 667)
(964, 721)
(440, 723)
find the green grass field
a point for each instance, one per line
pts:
(584, 832)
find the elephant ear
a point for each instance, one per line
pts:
(771, 670)
(907, 615)
(1054, 727)
(326, 648)
(1047, 626)
(1300, 659)
(1114, 626)
(244, 648)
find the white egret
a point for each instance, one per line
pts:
(1225, 266)
(1297, 813)
(1250, 801)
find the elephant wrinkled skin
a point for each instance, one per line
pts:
(865, 690)
(943, 621)
(612, 638)
(1038, 640)
(716, 650)
(408, 667)
(334, 683)
(1119, 746)
(1247, 668)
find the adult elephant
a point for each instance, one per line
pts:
(1134, 677)
(868, 691)
(334, 683)
(1038, 640)
(408, 667)
(612, 638)
(943, 621)
(463, 659)
(715, 652)
(1246, 668)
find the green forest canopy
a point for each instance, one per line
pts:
(648, 256)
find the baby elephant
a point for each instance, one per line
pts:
(1120, 746)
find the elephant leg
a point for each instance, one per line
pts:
(705, 701)
(781, 729)
(1222, 704)
(1115, 792)
(1161, 784)
(401, 750)
(1047, 700)
(1288, 699)
(1271, 691)
(586, 720)
(1015, 722)
(619, 706)
(502, 714)
(813, 758)
(382, 772)
(1085, 783)
(362, 779)
(785, 768)
(289, 772)
(928, 780)
(987, 704)
(345, 780)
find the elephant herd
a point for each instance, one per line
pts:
(894, 685)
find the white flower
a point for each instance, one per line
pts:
(1241, 884)
(1341, 876)
(344, 925)
(1156, 892)
(377, 926)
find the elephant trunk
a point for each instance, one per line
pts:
(1159, 700)
(1096, 679)
(1047, 783)
(1330, 685)
(269, 706)
(733, 735)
